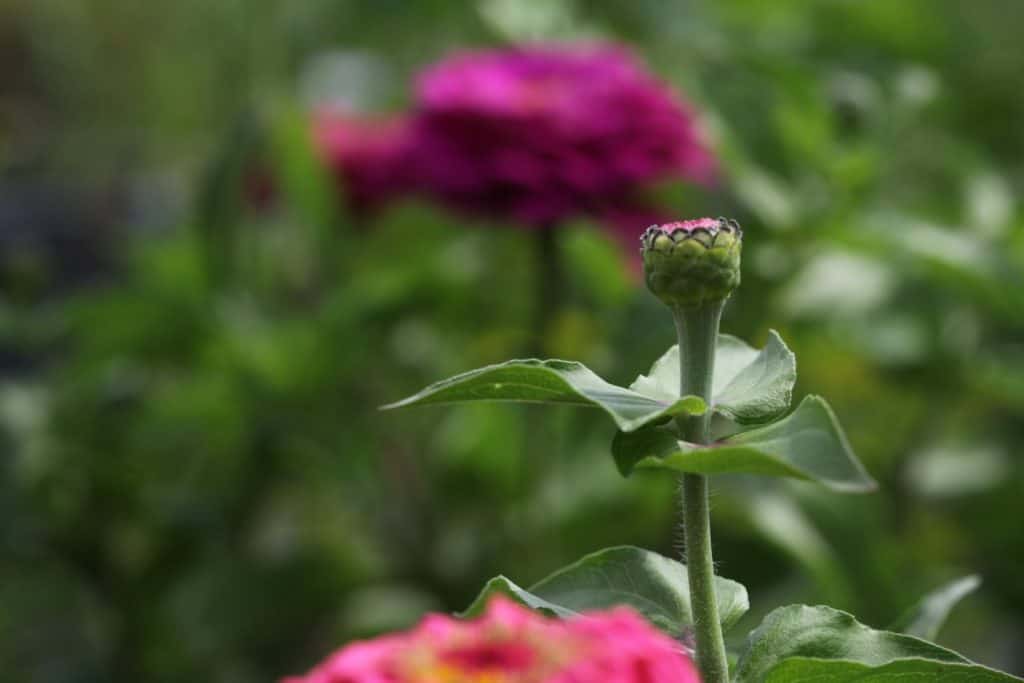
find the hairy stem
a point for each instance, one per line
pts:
(697, 329)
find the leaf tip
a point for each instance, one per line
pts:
(397, 404)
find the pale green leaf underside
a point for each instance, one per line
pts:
(500, 585)
(926, 617)
(749, 386)
(826, 633)
(554, 381)
(910, 670)
(655, 586)
(808, 445)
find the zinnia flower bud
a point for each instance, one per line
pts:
(691, 263)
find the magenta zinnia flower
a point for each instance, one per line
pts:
(541, 134)
(510, 644)
(366, 154)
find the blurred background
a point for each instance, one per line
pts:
(202, 308)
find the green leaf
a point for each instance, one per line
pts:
(911, 670)
(753, 386)
(650, 583)
(808, 445)
(500, 585)
(554, 381)
(654, 585)
(749, 386)
(926, 617)
(826, 633)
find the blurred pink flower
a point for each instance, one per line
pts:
(510, 644)
(543, 133)
(366, 155)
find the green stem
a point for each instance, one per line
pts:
(697, 329)
(540, 434)
(549, 285)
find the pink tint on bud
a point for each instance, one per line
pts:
(691, 225)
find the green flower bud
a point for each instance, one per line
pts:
(691, 263)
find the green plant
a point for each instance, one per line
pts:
(713, 405)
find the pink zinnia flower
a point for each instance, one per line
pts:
(510, 644)
(366, 154)
(541, 134)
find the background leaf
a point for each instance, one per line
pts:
(926, 617)
(778, 518)
(808, 444)
(553, 381)
(750, 386)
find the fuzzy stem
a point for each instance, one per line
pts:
(697, 329)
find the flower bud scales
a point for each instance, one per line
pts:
(691, 263)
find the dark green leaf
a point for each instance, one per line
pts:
(500, 585)
(808, 444)
(926, 617)
(913, 670)
(826, 633)
(654, 585)
(554, 381)
(749, 386)
(644, 448)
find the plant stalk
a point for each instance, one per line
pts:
(549, 286)
(540, 435)
(697, 330)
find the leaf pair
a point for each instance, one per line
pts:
(797, 644)
(750, 387)
(793, 644)
(808, 445)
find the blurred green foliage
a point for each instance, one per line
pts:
(196, 481)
